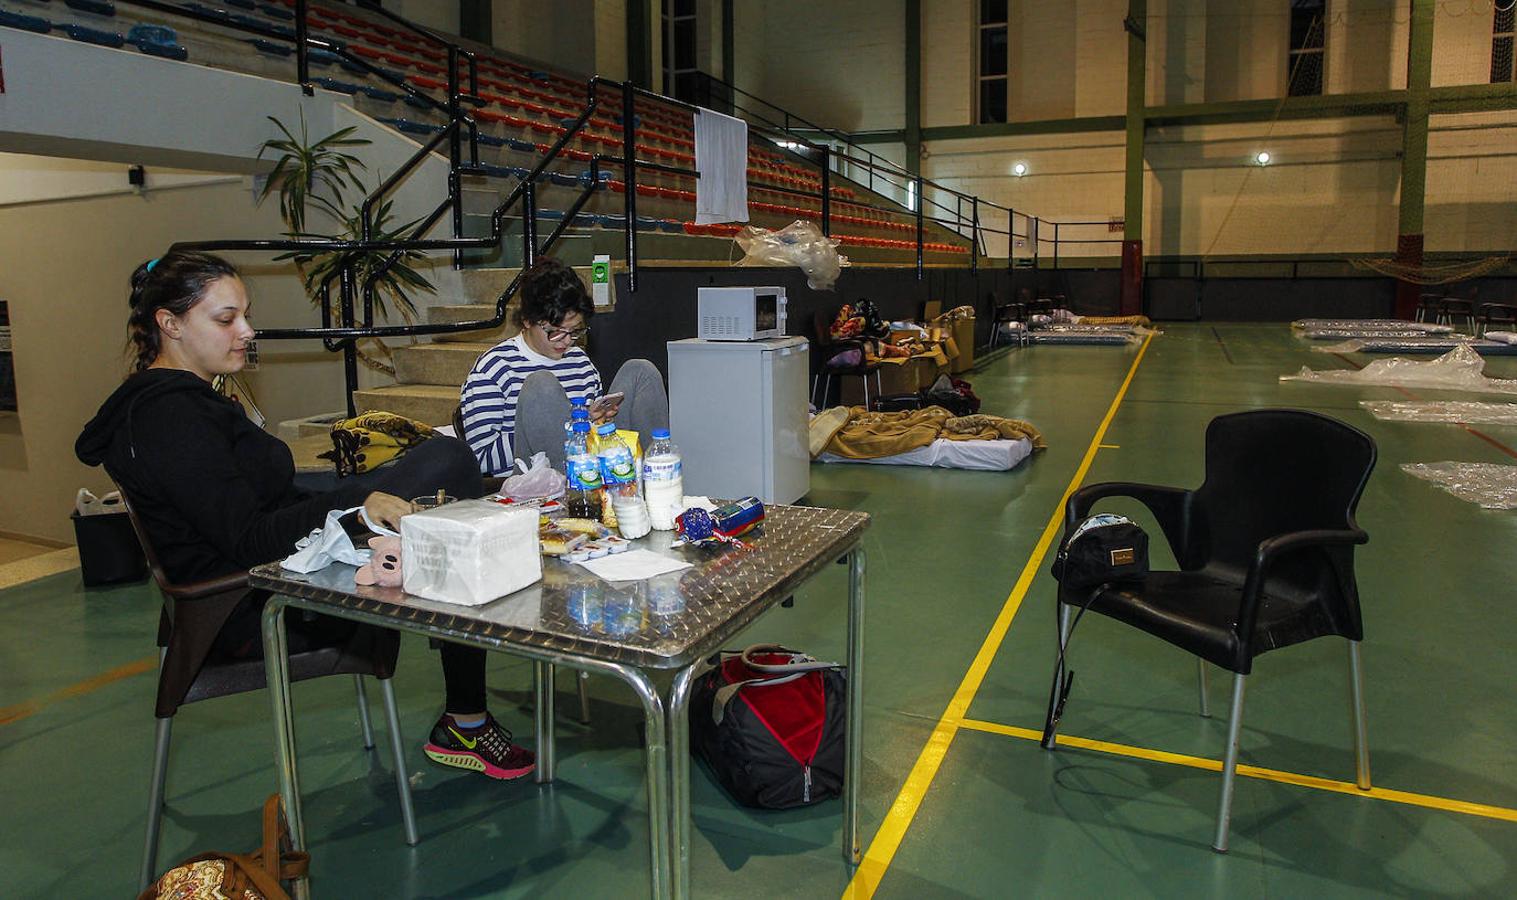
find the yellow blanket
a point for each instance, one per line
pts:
(870, 435)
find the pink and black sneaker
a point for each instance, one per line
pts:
(485, 748)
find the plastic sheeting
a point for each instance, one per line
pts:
(801, 244)
(1370, 325)
(1462, 412)
(1460, 369)
(1492, 485)
(1339, 334)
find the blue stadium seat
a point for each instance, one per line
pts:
(321, 57)
(490, 140)
(241, 4)
(211, 11)
(270, 47)
(98, 7)
(332, 84)
(563, 179)
(277, 12)
(380, 93)
(672, 226)
(167, 51)
(417, 102)
(25, 23)
(521, 146)
(157, 40)
(584, 178)
(93, 36)
(409, 127)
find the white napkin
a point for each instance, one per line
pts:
(327, 545)
(634, 565)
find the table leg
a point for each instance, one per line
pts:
(852, 852)
(276, 666)
(679, 782)
(543, 674)
(655, 749)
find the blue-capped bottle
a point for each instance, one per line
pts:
(582, 494)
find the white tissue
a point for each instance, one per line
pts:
(470, 552)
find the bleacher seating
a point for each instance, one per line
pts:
(521, 111)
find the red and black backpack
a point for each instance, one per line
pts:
(771, 723)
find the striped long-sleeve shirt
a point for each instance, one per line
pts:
(490, 394)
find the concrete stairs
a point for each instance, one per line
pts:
(429, 374)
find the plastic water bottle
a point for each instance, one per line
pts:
(663, 482)
(582, 494)
(618, 471)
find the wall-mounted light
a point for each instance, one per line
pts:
(1019, 169)
(1262, 158)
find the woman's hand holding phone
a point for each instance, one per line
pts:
(605, 407)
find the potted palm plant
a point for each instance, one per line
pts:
(315, 177)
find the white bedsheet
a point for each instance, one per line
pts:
(985, 456)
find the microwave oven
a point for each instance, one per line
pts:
(740, 313)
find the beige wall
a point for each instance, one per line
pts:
(840, 64)
(64, 268)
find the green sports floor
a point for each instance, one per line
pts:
(958, 799)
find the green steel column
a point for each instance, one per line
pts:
(1132, 232)
(913, 88)
(1419, 76)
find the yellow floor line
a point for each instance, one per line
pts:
(866, 878)
(15, 713)
(1428, 801)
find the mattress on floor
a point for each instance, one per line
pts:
(1435, 345)
(1104, 338)
(1346, 334)
(983, 456)
(1370, 325)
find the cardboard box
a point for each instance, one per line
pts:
(963, 336)
(902, 376)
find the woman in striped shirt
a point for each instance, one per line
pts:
(517, 397)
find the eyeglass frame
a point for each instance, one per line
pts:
(558, 334)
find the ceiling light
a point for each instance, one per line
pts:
(1262, 158)
(1019, 169)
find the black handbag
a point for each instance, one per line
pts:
(1102, 549)
(771, 723)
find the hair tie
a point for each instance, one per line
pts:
(153, 262)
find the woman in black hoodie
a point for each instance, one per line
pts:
(217, 495)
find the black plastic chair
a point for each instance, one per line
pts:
(827, 350)
(1498, 314)
(1265, 549)
(189, 671)
(1459, 308)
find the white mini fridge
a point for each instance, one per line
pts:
(737, 411)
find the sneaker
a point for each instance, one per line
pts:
(486, 748)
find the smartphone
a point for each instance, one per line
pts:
(606, 401)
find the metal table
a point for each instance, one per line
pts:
(625, 629)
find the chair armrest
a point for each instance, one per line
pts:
(1170, 506)
(195, 590)
(1271, 549)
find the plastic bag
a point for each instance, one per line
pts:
(328, 544)
(1492, 485)
(801, 244)
(1462, 412)
(87, 504)
(1460, 369)
(536, 479)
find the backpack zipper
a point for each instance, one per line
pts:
(806, 784)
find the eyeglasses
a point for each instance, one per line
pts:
(558, 334)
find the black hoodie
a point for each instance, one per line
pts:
(214, 492)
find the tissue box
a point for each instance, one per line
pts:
(470, 552)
